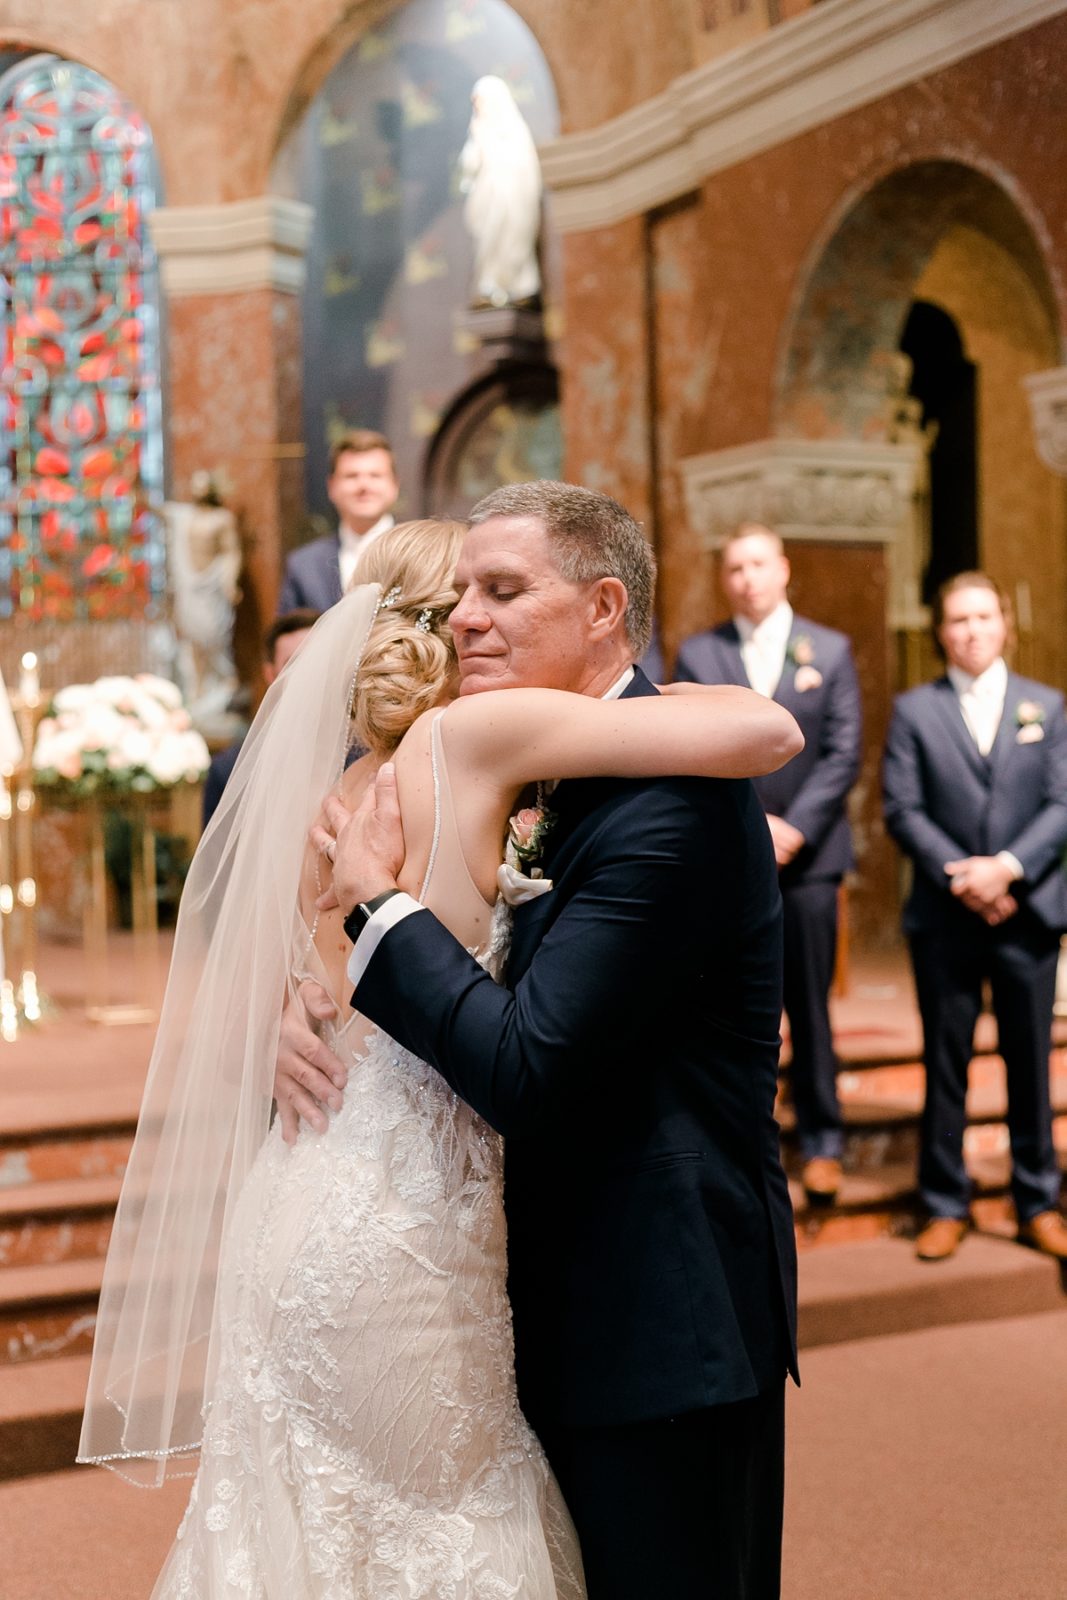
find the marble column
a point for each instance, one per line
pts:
(847, 512)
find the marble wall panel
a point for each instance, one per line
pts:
(606, 387)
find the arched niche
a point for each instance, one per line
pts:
(946, 236)
(386, 337)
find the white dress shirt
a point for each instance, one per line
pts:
(354, 544)
(982, 701)
(982, 706)
(763, 647)
(401, 905)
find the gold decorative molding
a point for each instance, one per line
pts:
(233, 247)
(1047, 392)
(839, 55)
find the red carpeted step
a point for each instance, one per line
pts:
(862, 1291)
(40, 1414)
(48, 1310)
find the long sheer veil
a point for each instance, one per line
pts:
(206, 1107)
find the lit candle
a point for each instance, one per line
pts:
(29, 683)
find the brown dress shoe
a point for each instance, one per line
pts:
(1046, 1232)
(821, 1178)
(940, 1238)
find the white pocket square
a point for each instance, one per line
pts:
(516, 888)
(1030, 733)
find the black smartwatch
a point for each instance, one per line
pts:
(361, 914)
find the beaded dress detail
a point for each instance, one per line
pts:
(363, 1438)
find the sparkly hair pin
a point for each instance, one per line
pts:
(424, 621)
(385, 601)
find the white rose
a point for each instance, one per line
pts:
(74, 697)
(161, 689)
(197, 756)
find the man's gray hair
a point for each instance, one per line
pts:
(592, 537)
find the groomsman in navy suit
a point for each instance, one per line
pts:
(809, 669)
(976, 795)
(363, 489)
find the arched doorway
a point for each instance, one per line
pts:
(933, 271)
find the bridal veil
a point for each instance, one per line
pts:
(206, 1107)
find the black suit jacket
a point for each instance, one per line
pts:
(631, 1063)
(811, 790)
(944, 800)
(312, 576)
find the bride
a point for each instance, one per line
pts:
(325, 1326)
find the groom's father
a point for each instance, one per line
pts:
(630, 1061)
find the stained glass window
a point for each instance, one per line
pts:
(81, 453)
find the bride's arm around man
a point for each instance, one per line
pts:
(630, 1059)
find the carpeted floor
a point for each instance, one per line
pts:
(931, 1466)
(924, 1466)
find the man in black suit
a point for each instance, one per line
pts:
(809, 669)
(976, 795)
(362, 487)
(283, 639)
(630, 1062)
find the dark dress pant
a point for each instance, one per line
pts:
(1019, 961)
(689, 1507)
(810, 929)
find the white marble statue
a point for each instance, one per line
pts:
(501, 178)
(204, 551)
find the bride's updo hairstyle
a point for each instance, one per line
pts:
(409, 659)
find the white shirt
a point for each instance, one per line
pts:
(763, 647)
(401, 905)
(982, 701)
(354, 544)
(982, 704)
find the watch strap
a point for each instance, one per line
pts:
(361, 913)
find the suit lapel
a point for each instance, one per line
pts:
(730, 640)
(948, 706)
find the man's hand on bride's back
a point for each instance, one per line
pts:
(307, 1074)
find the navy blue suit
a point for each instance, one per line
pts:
(312, 576)
(216, 779)
(945, 801)
(809, 792)
(630, 1062)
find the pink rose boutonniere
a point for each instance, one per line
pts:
(517, 878)
(1029, 717)
(801, 652)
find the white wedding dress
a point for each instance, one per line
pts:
(363, 1438)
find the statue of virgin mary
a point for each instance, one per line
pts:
(501, 178)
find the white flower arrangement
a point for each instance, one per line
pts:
(118, 736)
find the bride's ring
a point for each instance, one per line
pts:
(329, 850)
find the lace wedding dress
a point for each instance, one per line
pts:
(363, 1437)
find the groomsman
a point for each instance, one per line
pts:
(976, 795)
(363, 490)
(809, 669)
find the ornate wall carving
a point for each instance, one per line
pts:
(1048, 409)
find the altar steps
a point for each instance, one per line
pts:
(882, 1105)
(59, 1185)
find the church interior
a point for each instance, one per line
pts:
(796, 264)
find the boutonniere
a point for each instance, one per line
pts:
(517, 878)
(1029, 716)
(801, 652)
